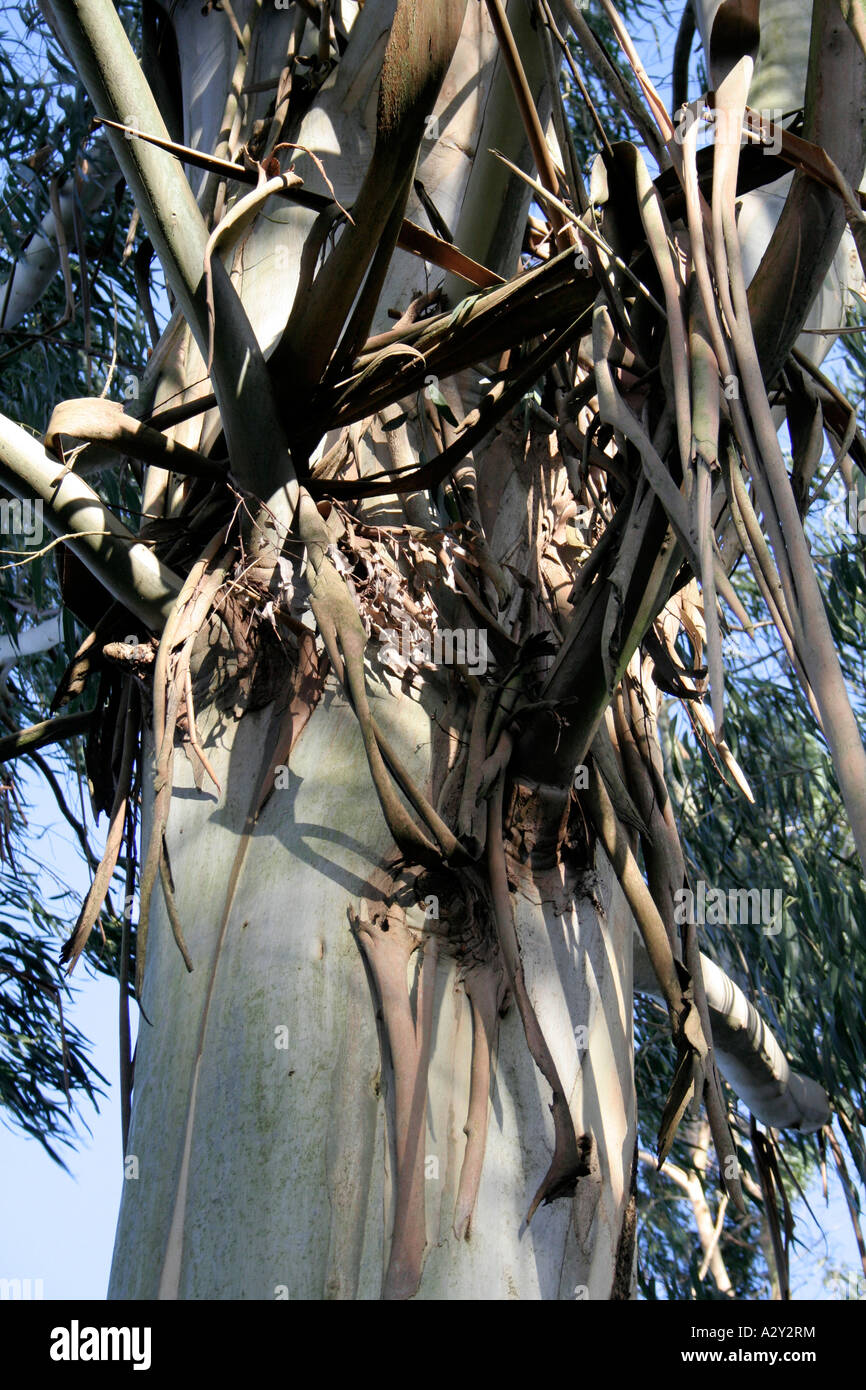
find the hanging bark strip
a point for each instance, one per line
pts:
(419, 49)
(485, 988)
(673, 979)
(615, 411)
(529, 115)
(663, 247)
(229, 229)
(388, 945)
(169, 689)
(772, 1188)
(125, 1067)
(90, 910)
(665, 864)
(703, 457)
(582, 225)
(850, 1191)
(656, 105)
(820, 658)
(243, 213)
(63, 255)
(682, 56)
(472, 429)
(637, 894)
(622, 92)
(777, 586)
(192, 733)
(345, 639)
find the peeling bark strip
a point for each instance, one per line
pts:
(665, 863)
(417, 240)
(674, 980)
(169, 690)
(485, 990)
(92, 906)
(107, 432)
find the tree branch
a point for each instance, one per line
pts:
(40, 638)
(748, 1054)
(47, 731)
(129, 571)
(257, 444)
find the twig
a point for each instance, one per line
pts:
(526, 105)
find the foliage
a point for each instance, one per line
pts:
(46, 112)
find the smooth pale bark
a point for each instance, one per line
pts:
(288, 1173)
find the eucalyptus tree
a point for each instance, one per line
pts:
(447, 456)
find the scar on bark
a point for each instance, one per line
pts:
(621, 1287)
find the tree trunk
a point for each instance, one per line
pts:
(310, 1103)
(263, 1114)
